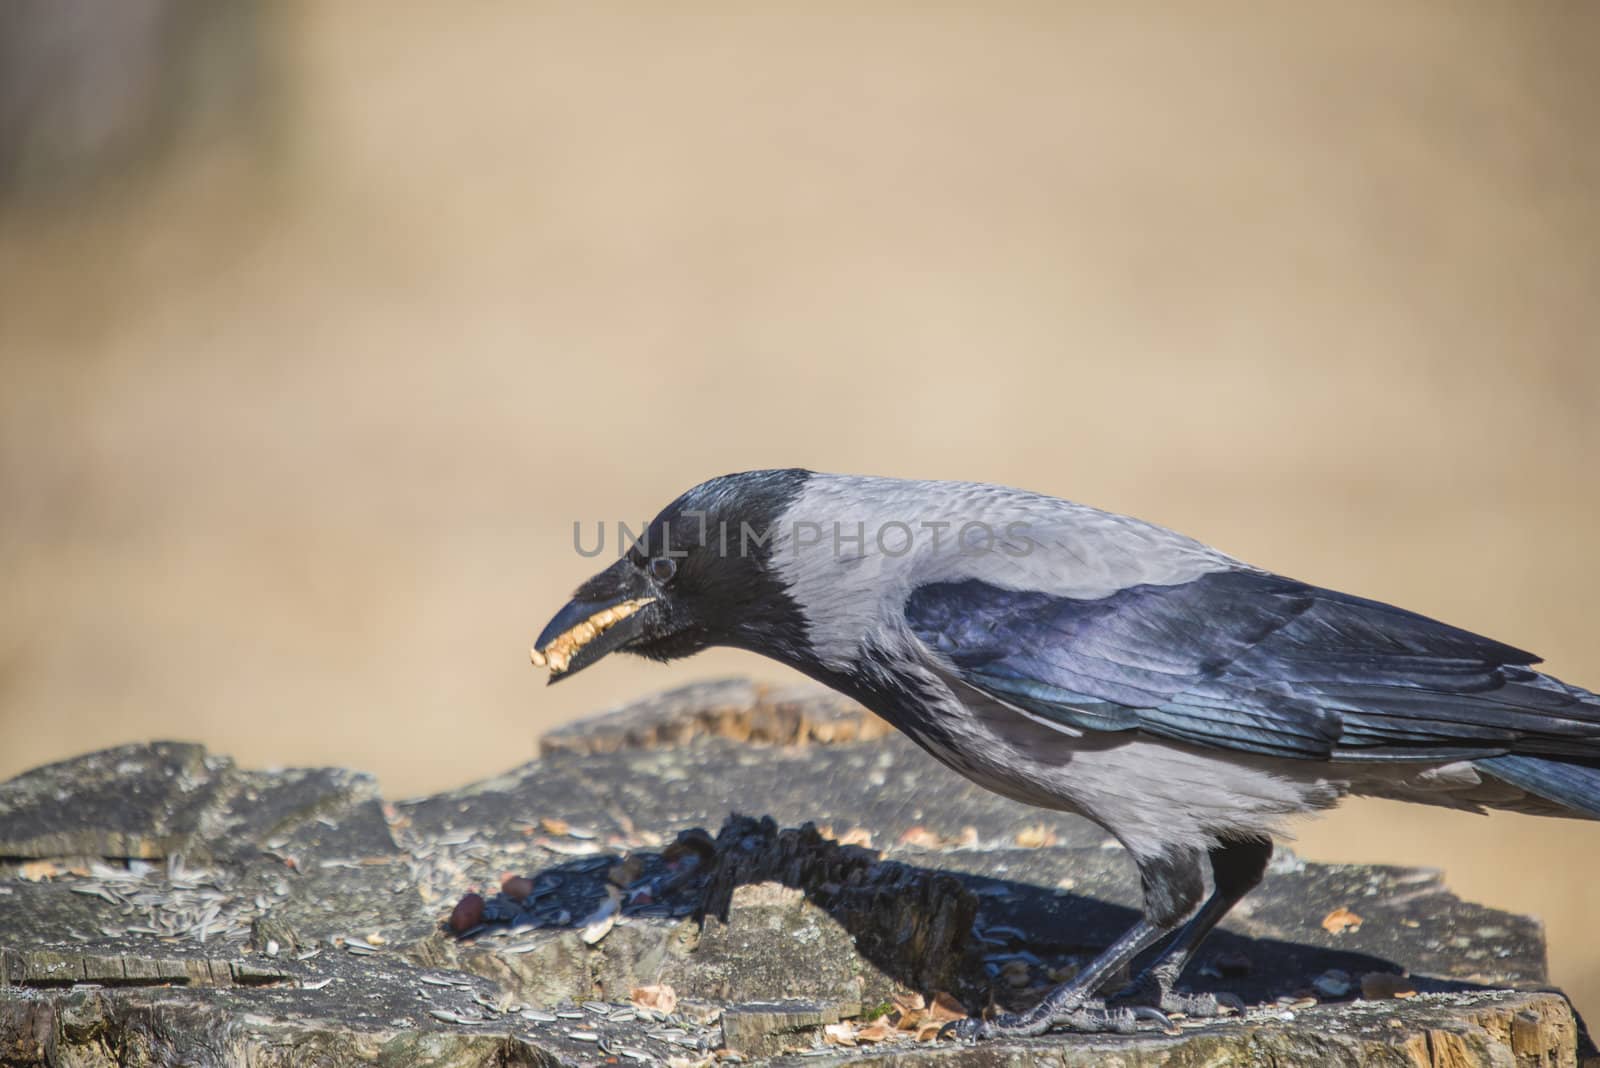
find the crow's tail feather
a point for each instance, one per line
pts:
(1572, 783)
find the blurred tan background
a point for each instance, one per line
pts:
(320, 325)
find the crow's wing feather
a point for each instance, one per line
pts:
(1250, 661)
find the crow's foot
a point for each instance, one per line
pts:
(1090, 1017)
(1153, 990)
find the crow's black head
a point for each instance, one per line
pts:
(697, 577)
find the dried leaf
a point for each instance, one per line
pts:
(928, 1032)
(857, 836)
(34, 870)
(876, 1031)
(910, 1003)
(662, 998)
(1341, 920)
(945, 1008)
(921, 838)
(552, 825)
(839, 1034)
(1036, 837)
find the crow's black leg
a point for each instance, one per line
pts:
(1173, 885)
(1236, 868)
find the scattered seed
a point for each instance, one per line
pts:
(583, 1036)
(598, 924)
(95, 890)
(520, 948)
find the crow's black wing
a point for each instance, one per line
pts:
(1250, 661)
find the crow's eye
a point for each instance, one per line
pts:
(663, 568)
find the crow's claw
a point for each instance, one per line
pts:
(1156, 1016)
(1231, 1002)
(1089, 1018)
(1094, 1020)
(968, 1029)
(1005, 1025)
(1154, 990)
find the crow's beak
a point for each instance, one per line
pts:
(603, 616)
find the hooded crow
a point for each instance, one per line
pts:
(1089, 662)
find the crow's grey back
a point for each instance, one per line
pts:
(852, 548)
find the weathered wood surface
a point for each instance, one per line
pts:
(780, 859)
